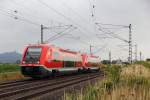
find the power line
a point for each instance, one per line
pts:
(24, 8)
(18, 18)
(59, 35)
(31, 22)
(116, 36)
(78, 39)
(28, 9)
(67, 18)
(6, 14)
(125, 26)
(100, 49)
(102, 37)
(54, 10)
(113, 35)
(62, 35)
(112, 27)
(82, 41)
(76, 13)
(71, 36)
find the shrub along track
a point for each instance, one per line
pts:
(31, 89)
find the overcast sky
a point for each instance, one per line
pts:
(29, 14)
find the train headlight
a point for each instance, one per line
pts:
(23, 62)
(38, 62)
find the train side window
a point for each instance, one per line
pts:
(69, 64)
(69, 61)
(56, 55)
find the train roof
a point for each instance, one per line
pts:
(53, 46)
(62, 50)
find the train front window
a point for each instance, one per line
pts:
(33, 55)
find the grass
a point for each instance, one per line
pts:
(131, 82)
(9, 68)
(144, 63)
(10, 76)
(10, 72)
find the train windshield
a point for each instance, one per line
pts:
(33, 55)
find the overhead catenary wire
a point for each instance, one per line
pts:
(75, 12)
(112, 34)
(116, 36)
(54, 37)
(31, 21)
(67, 18)
(62, 35)
(6, 14)
(107, 28)
(113, 27)
(125, 26)
(18, 17)
(106, 31)
(27, 9)
(80, 40)
(24, 8)
(27, 20)
(100, 49)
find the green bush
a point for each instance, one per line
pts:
(113, 73)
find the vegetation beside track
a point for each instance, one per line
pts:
(10, 72)
(9, 68)
(144, 63)
(131, 82)
(10, 76)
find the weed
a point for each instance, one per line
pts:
(117, 86)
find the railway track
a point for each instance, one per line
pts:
(16, 82)
(32, 89)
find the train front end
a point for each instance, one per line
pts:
(32, 61)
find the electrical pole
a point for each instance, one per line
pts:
(135, 52)
(110, 57)
(127, 41)
(42, 28)
(140, 56)
(130, 45)
(91, 49)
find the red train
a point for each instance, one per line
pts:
(42, 60)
